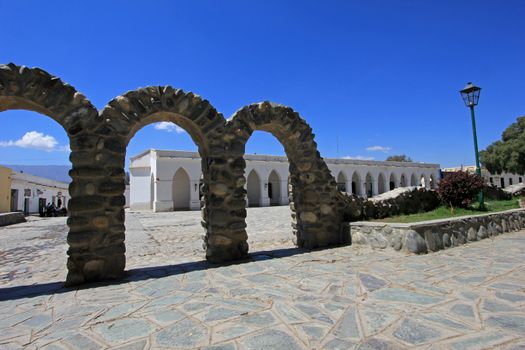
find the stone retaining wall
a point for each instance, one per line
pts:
(430, 236)
(11, 218)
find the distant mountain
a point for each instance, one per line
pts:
(53, 172)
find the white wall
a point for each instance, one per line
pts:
(33, 188)
(140, 189)
(508, 179)
(162, 165)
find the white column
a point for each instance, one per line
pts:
(265, 200)
(195, 203)
(427, 182)
(284, 192)
(163, 195)
(374, 188)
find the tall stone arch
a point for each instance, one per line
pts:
(223, 220)
(96, 250)
(317, 207)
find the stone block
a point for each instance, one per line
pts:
(11, 218)
(414, 243)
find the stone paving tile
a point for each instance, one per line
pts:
(470, 297)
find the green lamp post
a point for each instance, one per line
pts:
(470, 95)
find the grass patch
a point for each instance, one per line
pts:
(443, 212)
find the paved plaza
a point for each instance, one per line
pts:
(354, 297)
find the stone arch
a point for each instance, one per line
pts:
(253, 189)
(274, 188)
(317, 207)
(357, 187)
(181, 190)
(96, 251)
(341, 182)
(223, 209)
(413, 180)
(392, 181)
(381, 183)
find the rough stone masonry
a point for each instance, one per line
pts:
(98, 142)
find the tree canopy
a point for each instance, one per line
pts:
(398, 158)
(507, 154)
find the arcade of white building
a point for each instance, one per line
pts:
(170, 180)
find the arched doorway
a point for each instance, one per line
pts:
(341, 182)
(402, 181)
(356, 184)
(413, 180)
(369, 185)
(253, 187)
(274, 188)
(381, 185)
(181, 190)
(432, 182)
(392, 181)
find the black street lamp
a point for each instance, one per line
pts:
(470, 95)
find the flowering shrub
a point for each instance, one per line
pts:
(460, 188)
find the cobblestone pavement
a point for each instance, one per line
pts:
(468, 297)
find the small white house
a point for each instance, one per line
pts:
(499, 180)
(169, 180)
(30, 193)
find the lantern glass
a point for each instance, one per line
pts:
(470, 94)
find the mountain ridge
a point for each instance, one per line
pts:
(52, 172)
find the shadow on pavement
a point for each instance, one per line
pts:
(140, 274)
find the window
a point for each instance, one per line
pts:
(520, 180)
(502, 180)
(510, 181)
(491, 181)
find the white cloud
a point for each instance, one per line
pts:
(169, 127)
(358, 157)
(36, 140)
(379, 149)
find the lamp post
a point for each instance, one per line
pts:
(470, 95)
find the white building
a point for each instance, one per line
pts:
(499, 180)
(30, 193)
(169, 180)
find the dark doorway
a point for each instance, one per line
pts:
(41, 205)
(26, 206)
(14, 200)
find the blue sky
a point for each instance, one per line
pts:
(372, 78)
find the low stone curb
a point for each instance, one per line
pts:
(11, 218)
(430, 236)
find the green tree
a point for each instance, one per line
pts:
(398, 158)
(508, 154)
